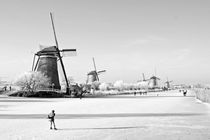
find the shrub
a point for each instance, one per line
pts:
(31, 81)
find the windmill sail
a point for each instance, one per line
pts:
(143, 77)
(95, 69)
(59, 56)
(101, 71)
(69, 52)
(93, 75)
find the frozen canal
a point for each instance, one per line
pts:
(158, 116)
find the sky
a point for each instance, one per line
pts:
(166, 38)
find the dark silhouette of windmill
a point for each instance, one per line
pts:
(92, 76)
(47, 62)
(153, 82)
(168, 83)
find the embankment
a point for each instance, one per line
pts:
(203, 95)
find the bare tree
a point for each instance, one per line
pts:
(104, 86)
(31, 81)
(95, 85)
(70, 80)
(119, 85)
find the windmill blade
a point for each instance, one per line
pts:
(53, 50)
(86, 80)
(36, 63)
(143, 76)
(56, 41)
(94, 64)
(101, 71)
(157, 78)
(33, 62)
(97, 78)
(69, 52)
(59, 56)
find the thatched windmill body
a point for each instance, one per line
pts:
(47, 62)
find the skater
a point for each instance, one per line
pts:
(184, 92)
(51, 116)
(5, 88)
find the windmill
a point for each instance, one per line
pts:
(153, 82)
(168, 83)
(47, 61)
(93, 75)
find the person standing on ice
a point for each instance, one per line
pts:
(51, 116)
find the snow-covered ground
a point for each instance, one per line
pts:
(166, 115)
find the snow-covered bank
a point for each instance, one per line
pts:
(203, 94)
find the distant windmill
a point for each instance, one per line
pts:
(93, 75)
(153, 83)
(47, 62)
(168, 83)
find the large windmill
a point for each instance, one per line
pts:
(47, 61)
(93, 75)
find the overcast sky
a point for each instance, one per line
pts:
(126, 37)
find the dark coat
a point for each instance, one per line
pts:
(51, 116)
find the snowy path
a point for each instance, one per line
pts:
(170, 117)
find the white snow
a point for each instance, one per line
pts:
(167, 116)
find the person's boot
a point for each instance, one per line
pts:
(50, 127)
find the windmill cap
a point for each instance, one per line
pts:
(92, 73)
(154, 77)
(52, 50)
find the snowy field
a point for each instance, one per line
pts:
(157, 116)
